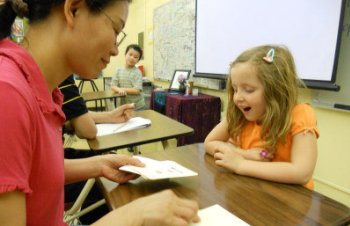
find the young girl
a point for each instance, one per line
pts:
(65, 37)
(267, 134)
(128, 81)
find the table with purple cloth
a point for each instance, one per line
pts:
(201, 112)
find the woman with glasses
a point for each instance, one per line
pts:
(65, 37)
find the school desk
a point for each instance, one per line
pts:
(257, 202)
(101, 95)
(202, 112)
(161, 129)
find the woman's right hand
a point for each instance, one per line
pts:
(163, 208)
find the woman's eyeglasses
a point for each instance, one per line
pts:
(119, 36)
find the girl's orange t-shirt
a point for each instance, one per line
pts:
(303, 120)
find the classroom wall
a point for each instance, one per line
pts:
(333, 165)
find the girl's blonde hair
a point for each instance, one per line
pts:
(280, 82)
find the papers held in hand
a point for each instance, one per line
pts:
(133, 123)
(155, 169)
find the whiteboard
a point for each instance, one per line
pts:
(309, 28)
(175, 21)
(328, 98)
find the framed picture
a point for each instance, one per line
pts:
(179, 75)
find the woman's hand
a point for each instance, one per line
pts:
(110, 164)
(163, 208)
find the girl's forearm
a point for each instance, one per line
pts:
(284, 172)
(212, 146)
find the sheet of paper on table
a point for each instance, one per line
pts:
(216, 215)
(155, 169)
(133, 123)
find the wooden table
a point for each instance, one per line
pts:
(162, 128)
(255, 201)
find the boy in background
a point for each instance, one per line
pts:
(128, 81)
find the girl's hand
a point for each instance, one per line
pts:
(110, 164)
(228, 159)
(257, 154)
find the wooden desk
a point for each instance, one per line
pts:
(202, 112)
(162, 128)
(101, 95)
(255, 201)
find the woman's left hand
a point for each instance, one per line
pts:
(110, 164)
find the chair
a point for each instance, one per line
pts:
(81, 84)
(71, 216)
(83, 80)
(92, 84)
(107, 86)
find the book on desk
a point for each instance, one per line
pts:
(111, 128)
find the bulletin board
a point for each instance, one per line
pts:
(174, 30)
(174, 41)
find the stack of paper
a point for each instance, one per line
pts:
(216, 215)
(133, 123)
(155, 169)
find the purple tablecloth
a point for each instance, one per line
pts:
(201, 112)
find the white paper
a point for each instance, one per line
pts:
(133, 123)
(155, 169)
(216, 215)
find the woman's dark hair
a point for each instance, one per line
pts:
(36, 10)
(135, 47)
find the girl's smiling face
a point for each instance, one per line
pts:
(248, 91)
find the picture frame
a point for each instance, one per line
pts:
(174, 84)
